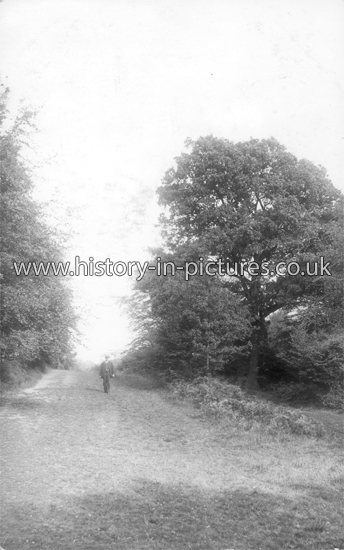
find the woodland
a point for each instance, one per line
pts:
(246, 202)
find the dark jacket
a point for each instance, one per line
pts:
(106, 366)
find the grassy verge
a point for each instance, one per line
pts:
(20, 378)
(222, 400)
(291, 474)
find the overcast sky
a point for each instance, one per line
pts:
(120, 84)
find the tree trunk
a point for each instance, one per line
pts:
(251, 383)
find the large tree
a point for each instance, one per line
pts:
(250, 202)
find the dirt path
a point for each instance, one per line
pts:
(133, 471)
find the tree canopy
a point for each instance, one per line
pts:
(37, 318)
(190, 326)
(253, 201)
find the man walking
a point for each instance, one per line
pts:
(106, 372)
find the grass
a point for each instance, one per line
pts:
(137, 471)
(296, 471)
(162, 517)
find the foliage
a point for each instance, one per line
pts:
(187, 325)
(221, 399)
(37, 318)
(14, 376)
(296, 393)
(315, 358)
(252, 201)
(305, 349)
(303, 360)
(334, 398)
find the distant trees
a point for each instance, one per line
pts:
(253, 202)
(37, 318)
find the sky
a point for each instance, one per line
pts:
(118, 85)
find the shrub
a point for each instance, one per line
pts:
(334, 398)
(303, 351)
(13, 375)
(221, 399)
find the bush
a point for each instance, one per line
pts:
(300, 353)
(295, 392)
(221, 399)
(299, 393)
(13, 375)
(334, 398)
